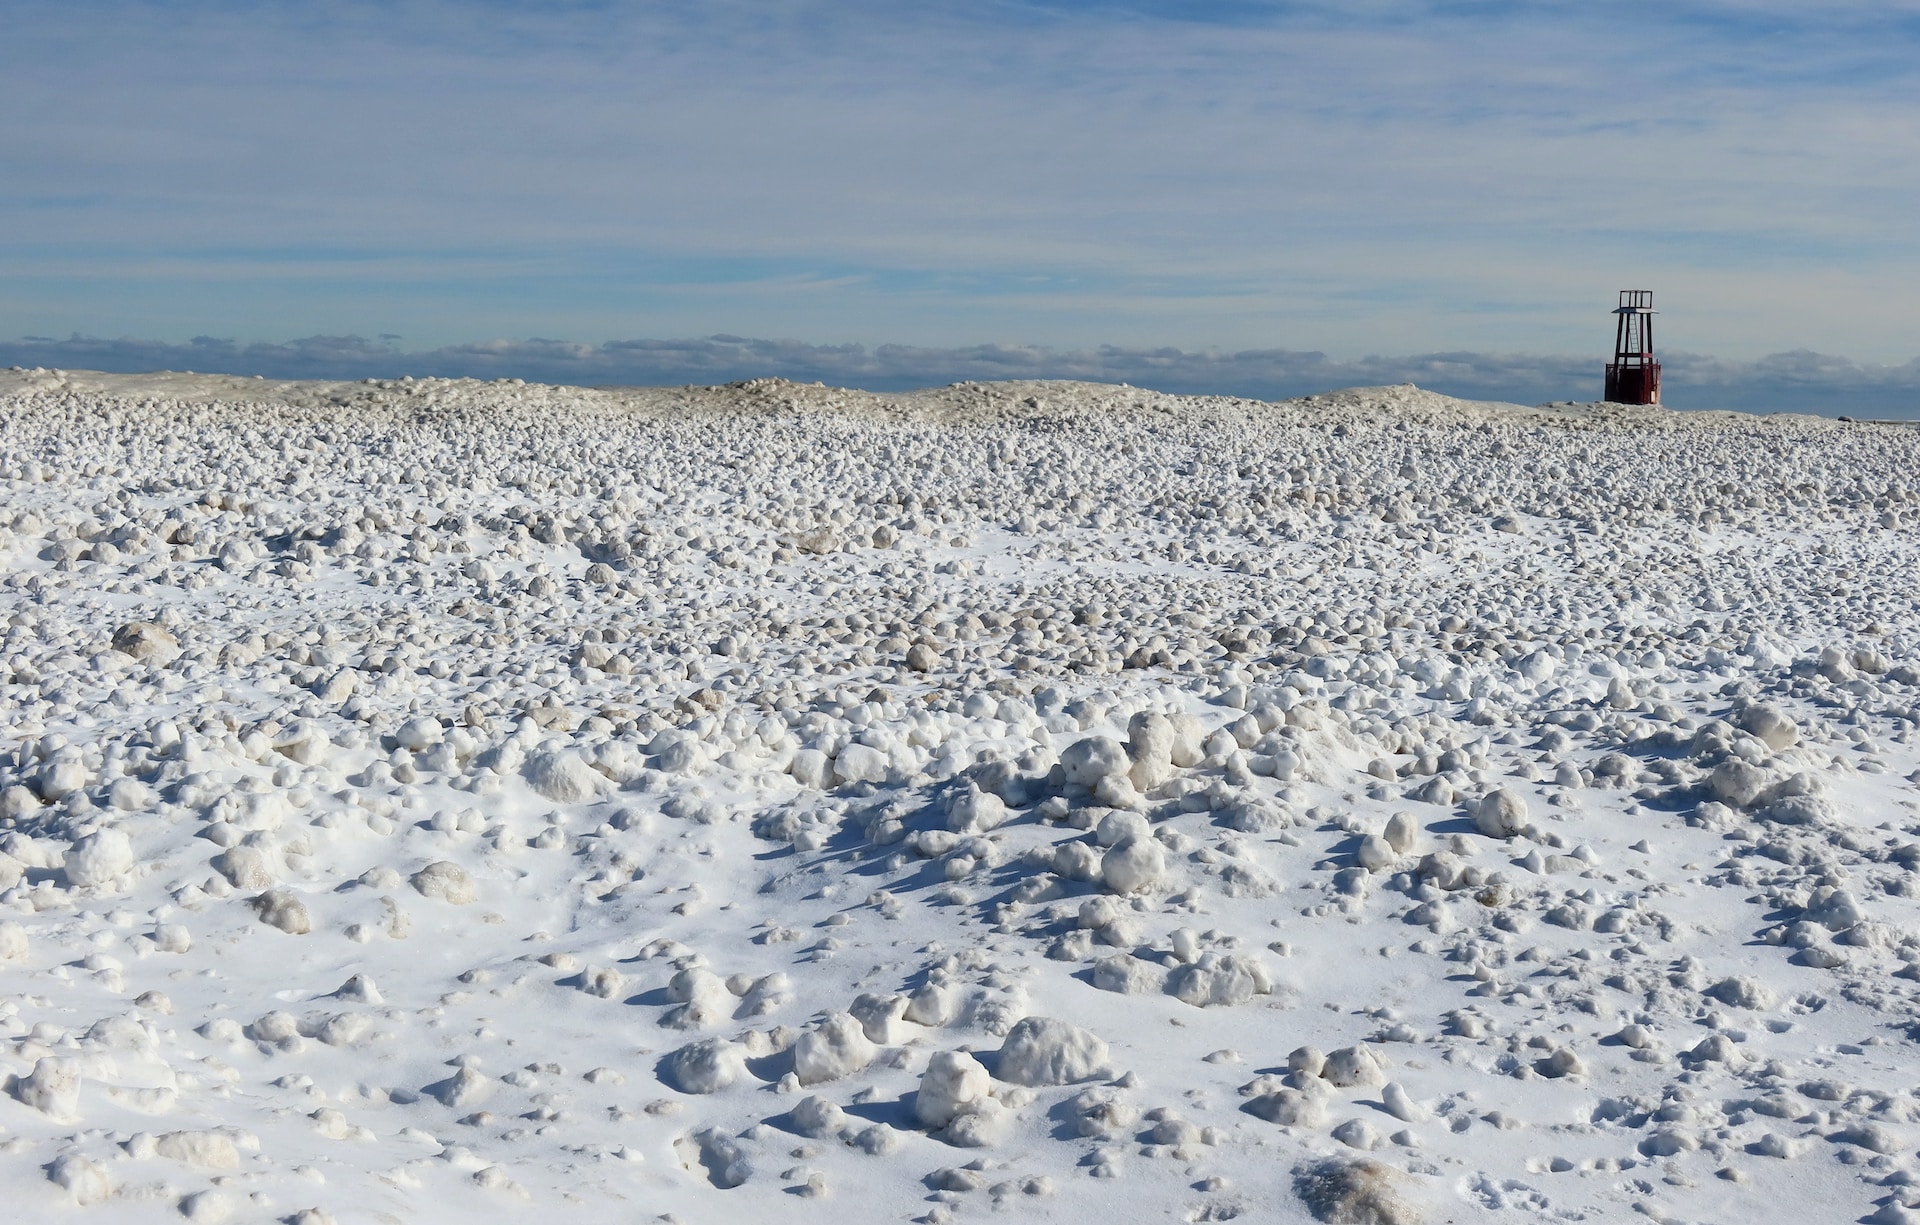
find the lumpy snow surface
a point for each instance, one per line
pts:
(439, 801)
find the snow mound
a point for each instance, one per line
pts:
(1045, 1051)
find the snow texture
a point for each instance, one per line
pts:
(432, 800)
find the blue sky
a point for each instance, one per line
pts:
(1355, 180)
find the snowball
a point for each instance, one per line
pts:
(283, 909)
(817, 1118)
(1251, 814)
(85, 1181)
(1835, 909)
(131, 795)
(343, 1029)
(1715, 1048)
(1560, 1063)
(60, 778)
(933, 1004)
(419, 734)
(1308, 1059)
(1021, 781)
(99, 858)
(337, 688)
(1219, 979)
(1772, 726)
(859, 763)
(447, 881)
(16, 802)
(305, 742)
(209, 1150)
(954, 1083)
(773, 991)
(209, 1207)
(680, 752)
(984, 1124)
(1357, 1133)
(702, 997)
(1189, 740)
(1737, 782)
(1403, 833)
(1133, 866)
(466, 1087)
(1128, 975)
(123, 1033)
(837, 1047)
(1118, 792)
(275, 1027)
(1290, 1108)
(1742, 991)
(145, 641)
(706, 1066)
(975, 811)
(1353, 1065)
(235, 554)
(359, 989)
(881, 1017)
(811, 768)
(1087, 761)
(245, 867)
(52, 1088)
(1790, 810)
(603, 982)
(1500, 814)
(1118, 827)
(1044, 1051)
(13, 941)
(1150, 738)
(565, 777)
(1375, 853)
(1076, 861)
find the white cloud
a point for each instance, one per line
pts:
(1797, 381)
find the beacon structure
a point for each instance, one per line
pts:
(1633, 376)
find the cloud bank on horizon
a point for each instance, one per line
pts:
(1799, 381)
(985, 183)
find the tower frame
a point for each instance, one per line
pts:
(1633, 376)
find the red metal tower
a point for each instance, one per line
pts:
(1633, 376)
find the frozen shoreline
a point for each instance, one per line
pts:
(448, 797)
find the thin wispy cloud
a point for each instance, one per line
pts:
(1353, 178)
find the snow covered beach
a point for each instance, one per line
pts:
(440, 798)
